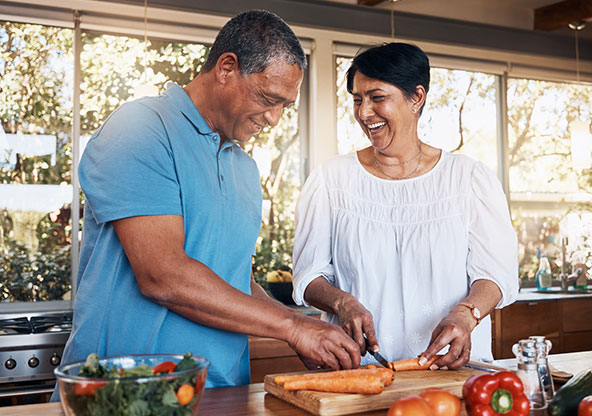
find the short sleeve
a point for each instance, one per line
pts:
(493, 246)
(312, 240)
(127, 168)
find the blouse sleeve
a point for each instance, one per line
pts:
(312, 240)
(493, 246)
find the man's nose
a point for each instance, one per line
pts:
(273, 115)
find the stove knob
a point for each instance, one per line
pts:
(55, 359)
(10, 364)
(33, 362)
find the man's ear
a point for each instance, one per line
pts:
(227, 64)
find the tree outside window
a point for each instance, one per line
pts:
(36, 84)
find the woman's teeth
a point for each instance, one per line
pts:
(375, 126)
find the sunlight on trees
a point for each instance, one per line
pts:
(36, 84)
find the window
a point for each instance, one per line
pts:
(277, 153)
(550, 196)
(36, 111)
(36, 76)
(113, 70)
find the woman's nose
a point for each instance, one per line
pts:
(365, 110)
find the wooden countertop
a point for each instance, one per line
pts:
(253, 400)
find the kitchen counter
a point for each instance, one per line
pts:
(531, 295)
(253, 400)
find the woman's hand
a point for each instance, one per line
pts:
(454, 330)
(356, 321)
(354, 318)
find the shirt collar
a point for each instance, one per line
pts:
(188, 108)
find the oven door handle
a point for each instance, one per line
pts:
(25, 391)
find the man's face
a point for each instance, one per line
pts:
(257, 100)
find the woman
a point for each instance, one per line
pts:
(401, 242)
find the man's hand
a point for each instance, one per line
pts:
(454, 330)
(323, 345)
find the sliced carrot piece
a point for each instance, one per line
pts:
(185, 394)
(410, 364)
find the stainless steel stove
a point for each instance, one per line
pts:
(31, 347)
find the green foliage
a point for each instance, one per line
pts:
(32, 276)
(36, 67)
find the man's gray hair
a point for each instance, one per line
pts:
(257, 38)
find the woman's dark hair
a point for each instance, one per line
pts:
(401, 64)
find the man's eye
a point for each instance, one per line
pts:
(377, 97)
(357, 101)
(269, 101)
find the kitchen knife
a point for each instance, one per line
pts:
(381, 360)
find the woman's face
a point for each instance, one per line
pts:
(384, 113)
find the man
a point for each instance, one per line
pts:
(173, 211)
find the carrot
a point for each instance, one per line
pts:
(362, 384)
(412, 364)
(385, 374)
(185, 394)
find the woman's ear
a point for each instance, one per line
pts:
(419, 98)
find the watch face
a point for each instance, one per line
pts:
(476, 313)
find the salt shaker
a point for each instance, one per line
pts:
(526, 356)
(543, 346)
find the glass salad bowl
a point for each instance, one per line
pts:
(143, 384)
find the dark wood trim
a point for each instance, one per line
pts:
(557, 15)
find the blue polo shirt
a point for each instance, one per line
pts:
(158, 156)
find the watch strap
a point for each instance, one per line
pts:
(473, 309)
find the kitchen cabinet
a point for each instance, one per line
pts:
(565, 320)
(270, 356)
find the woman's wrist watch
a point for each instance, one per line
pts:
(475, 312)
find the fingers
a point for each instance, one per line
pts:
(371, 336)
(459, 342)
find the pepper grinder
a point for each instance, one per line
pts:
(526, 356)
(543, 346)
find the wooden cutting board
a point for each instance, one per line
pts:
(406, 383)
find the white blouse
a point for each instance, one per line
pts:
(409, 249)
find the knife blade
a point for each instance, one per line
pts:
(381, 360)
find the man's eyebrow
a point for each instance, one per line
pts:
(274, 97)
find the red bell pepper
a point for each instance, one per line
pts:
(165, 367)
(499, 393)
(87, 388)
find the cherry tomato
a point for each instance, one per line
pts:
(442, 402)
(410, 406)
(585, 406)
(165, 367)
(87, 388)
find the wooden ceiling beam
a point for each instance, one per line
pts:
(369, 2)
(558, 15)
